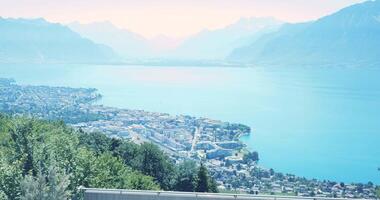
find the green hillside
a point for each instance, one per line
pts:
(49, 160)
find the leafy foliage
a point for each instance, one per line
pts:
(49, 160)
(187, 177)
(251, 157)
(153, 162)
(205, 183)
(45, 186)
(46, 160)
(10, 177)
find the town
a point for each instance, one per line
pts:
(215, 143)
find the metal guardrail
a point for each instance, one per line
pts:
(116, 194)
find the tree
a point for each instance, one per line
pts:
(138, 181)
(58, 185)
(151, 161)
(205, 183)
(271, 171)
(85, 167)
(187, 177)
(213, 186)
(34, 188)
(251, 157)
(45, 186)
(110, 172)
(10, 177)
(97, 142)
(49, 160)
(128, 151)
(3, 196)
(203, 180)
(20, 132)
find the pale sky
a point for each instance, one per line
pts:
(175, 18)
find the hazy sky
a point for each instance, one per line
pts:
(176, 18)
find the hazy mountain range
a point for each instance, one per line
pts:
(351, 35)
(36, 40)
(126, 43)
(207, 44)
(219, 43)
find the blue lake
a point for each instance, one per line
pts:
(315, 122)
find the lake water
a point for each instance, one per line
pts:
(315, 122)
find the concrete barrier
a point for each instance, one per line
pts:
(114, 194)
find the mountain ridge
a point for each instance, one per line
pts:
(206, 44)
(350, 35)
(126, 43)
(218, 43)
(37, 40)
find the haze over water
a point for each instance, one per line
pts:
(316, 122)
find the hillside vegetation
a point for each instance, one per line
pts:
(49, 160)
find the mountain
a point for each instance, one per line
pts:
(351, 35)
(209, 45)
(36, 40)
(162, 43)
(124, 42)
(217, 44)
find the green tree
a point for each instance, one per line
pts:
(34, 187)
(128, 151)
(10, 177)
(251, 157)
(97, 142)
(213, 186)
(29, 148)
(3, 196)
(138, 181)
(58, 184)
(187, 177)
(20, 132)
(205, 183)
(46, 186)
(203, 180)
(151, 161)
(110, 172)
(85, 167)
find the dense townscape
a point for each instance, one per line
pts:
(58, 103)
(214, 143)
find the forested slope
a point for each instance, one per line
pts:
(49, 160)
